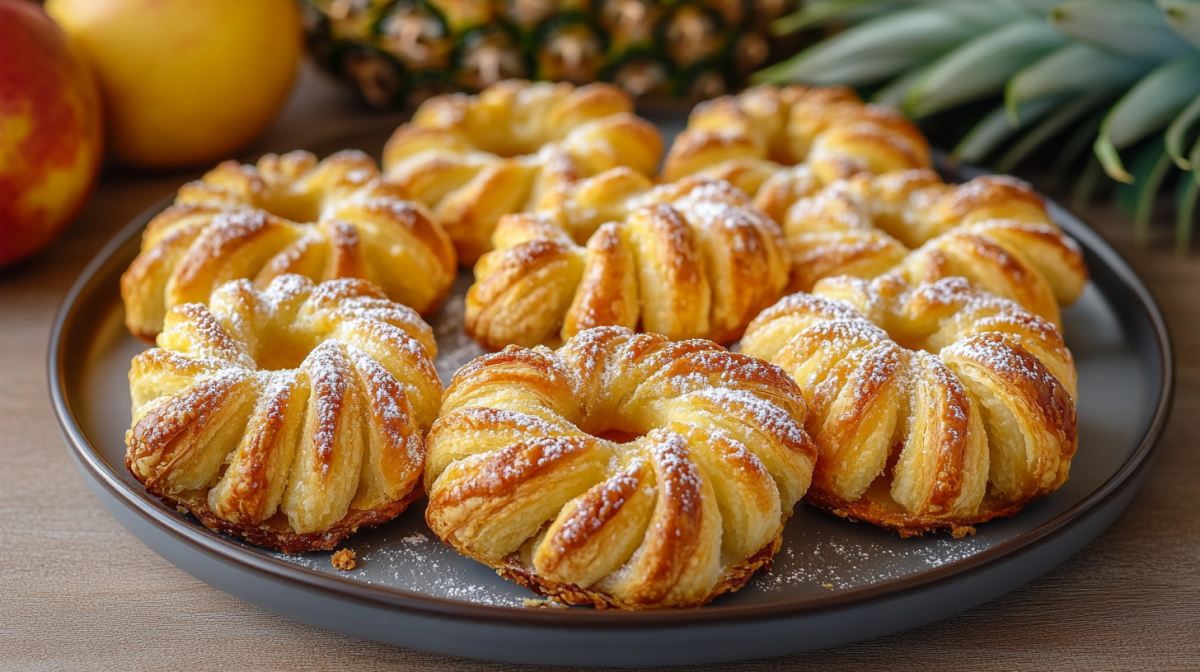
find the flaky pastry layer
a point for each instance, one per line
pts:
(933, 407)
(336, 218)
(289, 417)
(622, 470)
(513, 148)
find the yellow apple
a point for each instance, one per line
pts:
(51, 131)
(186, 82)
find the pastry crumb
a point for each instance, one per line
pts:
(828, 585)
(344, 560)
(544, 604)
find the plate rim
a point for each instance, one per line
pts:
(387, 597)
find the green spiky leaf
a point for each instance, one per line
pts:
(1146, 108)
(1137, 199)
(814, 14)
(1178, 132)
(995, 128)
(876, 50)
(1185, 211)
(1183, 17)
(1052, 125)
(1075, 68)
(892, 94)
(1129, 27)
(981, 67)
(1194, 158)
(1079, 141)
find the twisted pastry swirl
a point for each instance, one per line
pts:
(993, 230)
(523, 473)
(747, 138)
(291, 416)
(513, 148)
(933, 408)
(687, 260)
(289, 214)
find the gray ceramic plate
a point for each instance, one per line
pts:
(833, 581)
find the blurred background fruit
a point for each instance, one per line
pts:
(186, 82)
(400, 51)
(1002, 81)
(51, 130)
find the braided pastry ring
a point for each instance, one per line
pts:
(933, 408)
(513, 148)
(526, 475)
(747, 138)
(290, 417)
(691, 260)
(993, 230)
(248, 222)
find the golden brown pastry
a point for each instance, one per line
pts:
(993, 230)
(688, 260)
(289, 214)
(935, 407)
(513, 148)
(749, 137)
(291, 416)
(623, 470)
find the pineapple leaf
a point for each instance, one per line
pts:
(981, 66)
(1130, 27)
(1194, 159)
(1047, 129)
(985, 13)
(994, 129)
(1073, 68)
(1185, 212)
(821, 12)
(875, 50)
(1085, 186)
(1147, 107)
(1078, 143)
(1137, 198)
(1178, 131)
(1039, 7)
(1147, 195)
(1184, 18)
(892, 94)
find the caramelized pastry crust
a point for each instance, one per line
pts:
(290, 416)
(289, 214)
(935, 407)
(688, 260)
(623, 470)
(993, 230)
(851, 185)
(513, 148)
(749, 137)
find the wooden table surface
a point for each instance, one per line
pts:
(79, 592)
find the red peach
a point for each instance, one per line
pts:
(51, 130)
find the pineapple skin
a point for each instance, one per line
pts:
(400, 52)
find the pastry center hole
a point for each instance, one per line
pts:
(279, 352)
(618, 436)
(301, 208)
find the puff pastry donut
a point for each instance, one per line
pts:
(935, 407)
(288, 214)
(749, 137)
(994, 231)
(513, 148)
(688, 260)
(290, 416)
(527, 472)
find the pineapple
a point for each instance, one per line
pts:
(400, 51)
(1114, 74)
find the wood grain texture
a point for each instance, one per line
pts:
(79, 592)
